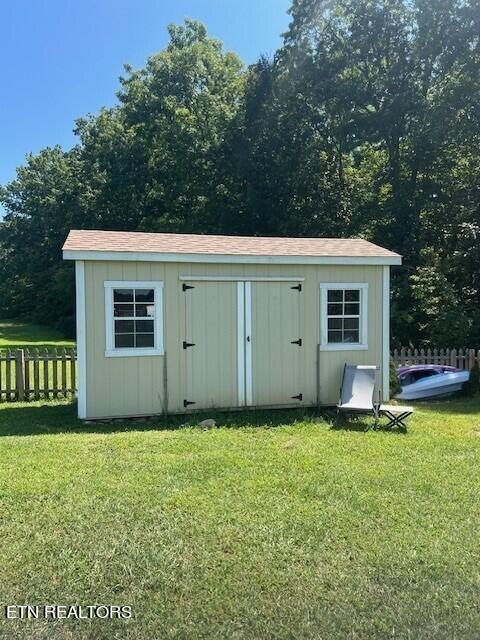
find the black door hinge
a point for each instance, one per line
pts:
(299, 342)
(188, 344)
(298, 287)
(186, 403)
(299, 397)
(187, 286)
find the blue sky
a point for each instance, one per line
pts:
(62, 58)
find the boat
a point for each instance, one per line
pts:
(430, 381)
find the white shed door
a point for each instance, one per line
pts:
(243, 344)
(210, 345)
(276, 342)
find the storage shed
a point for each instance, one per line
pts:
(177, 322)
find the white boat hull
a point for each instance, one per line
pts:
(443, 384)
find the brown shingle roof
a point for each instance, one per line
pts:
(126, 241)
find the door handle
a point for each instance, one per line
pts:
(248, 338)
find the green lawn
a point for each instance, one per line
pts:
(20, 335)
(269, 526)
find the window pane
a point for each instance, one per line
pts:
(144, 326)
(352, 323)
(145, 340)
(350, 336)
(128, 304)
(335, 309)
(124, 340)
(334, 336)
(144, 295)
(335, 323)
(122, 310)
(123, 295)
(124, 326)
(144, 310)
(335, 295)
(352, 295)
(352, 308)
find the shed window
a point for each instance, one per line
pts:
(343, 316)
(133, 312)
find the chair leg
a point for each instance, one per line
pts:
(397, 420)
(376, 416)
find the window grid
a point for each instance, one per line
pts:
(134, 318)
(343, 316)
(122, 295)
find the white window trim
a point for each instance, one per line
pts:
(110, 350)
(324, 344)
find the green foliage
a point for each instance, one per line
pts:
(436, 305)
(394, 83)
(365, 123)
(394, 383)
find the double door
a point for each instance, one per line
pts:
(243, 344)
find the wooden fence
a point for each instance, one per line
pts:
(460, 358)
(37, 374)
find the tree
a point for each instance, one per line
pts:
(42, 203)
(397, 83)
(150, 163)
(366, 122)
(159, 153)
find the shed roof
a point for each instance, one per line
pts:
(126, 245)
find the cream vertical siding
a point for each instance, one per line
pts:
(118, 386)
(128, 386)
(210, 367)
(277, 363)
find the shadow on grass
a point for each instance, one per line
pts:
(37, 419)
(364, 424)
(56, 418)
(19, 335)
(456, 405)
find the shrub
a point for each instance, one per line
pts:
(394, 384)
(472, 387)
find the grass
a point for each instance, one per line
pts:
(268, 526)
(20, 335)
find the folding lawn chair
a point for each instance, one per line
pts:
(356, 396)
(356, 393)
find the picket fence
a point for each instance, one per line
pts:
(460, 358)
(35, 374)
